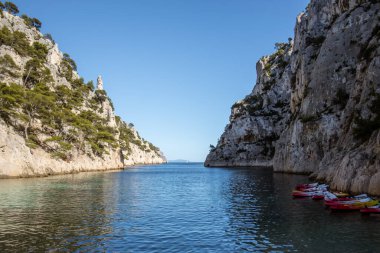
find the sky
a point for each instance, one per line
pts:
(171, 67)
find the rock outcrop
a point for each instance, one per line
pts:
(51, 122)
(257, 120)
(327, 88)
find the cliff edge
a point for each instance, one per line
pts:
(315, 108)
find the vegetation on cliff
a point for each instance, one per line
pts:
(58, 112)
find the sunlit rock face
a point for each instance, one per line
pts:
(328, 93)
(18, 158)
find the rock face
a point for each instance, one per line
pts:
(328, 90)
(99, 82)
(51, 122)
(257, 120)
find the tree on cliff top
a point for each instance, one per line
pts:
(2, 7)
(32, 22)
(11, 8)
(71, 62)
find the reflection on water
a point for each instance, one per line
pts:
(174, 208)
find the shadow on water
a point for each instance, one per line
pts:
(264, 217)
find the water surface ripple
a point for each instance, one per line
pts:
(174, 208)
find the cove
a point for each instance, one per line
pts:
(174, 208)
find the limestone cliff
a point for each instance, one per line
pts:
(51, 121)
(257, 120)
(328, 94)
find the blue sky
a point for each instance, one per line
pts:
(172, 67)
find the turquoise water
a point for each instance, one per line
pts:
(175, 208)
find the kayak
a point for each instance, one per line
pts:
(341, 194)
(371, 209)
(328, 196)
(318, 197)
(315, 189)
(310, 190)
(346, 200)
(354, 207)
(358, 197)
(302, 194)
(301, 187)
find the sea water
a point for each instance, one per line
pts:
(175, 208)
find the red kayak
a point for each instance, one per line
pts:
(369, 210)
(364, 204)
(302, 187)
(318, 197)
(302, 194)
(346, 200)
(341, 208)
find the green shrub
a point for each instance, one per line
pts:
(65, 146)
(267, 68)
(101, 96)
(77, 83)
(49, 37)
(31, 144)
(376, 31)
(282, 63)
(66, 70)
(366, 52)
(71, 62)
(11, 8)
(11, 97)
(253, 103)
(59, 155)
(54, 109)
(32, 22)
(8, 66)
(315, 41)
(53, 139)
(67, 67)
(268, 85)
(126, 136)
(153, 148)
(118, 120)
(17, 40)
(364, 128)
(40, 51)
(308, 118)
(105, 136)
(8, 61)
(90, 85)
(280, 104)
(341, 98)
(58, 108)
(36, 72)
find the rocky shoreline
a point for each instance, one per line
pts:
(73, 172)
